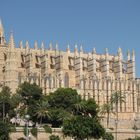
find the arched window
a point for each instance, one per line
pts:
(66, 79)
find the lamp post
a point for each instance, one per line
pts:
(116, 124)
(27, 117)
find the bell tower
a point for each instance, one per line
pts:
(2, 39)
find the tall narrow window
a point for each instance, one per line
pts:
(50, 81)
(54, 82)
(66, 79)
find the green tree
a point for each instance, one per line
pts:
(91, 108)
(57, 116)
(117, 98)
(107, 109)
(85, 124)
(63, 103)
(5, 104)
(63, 98)
(5, 130)
(30, 95)
(81, 127)
(42, 110)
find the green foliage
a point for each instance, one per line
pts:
(29, 92)
(54, 137)
(81, 127)
(41, 110)
(63, 98)
(92, 108)
(21, 138)
(56, 116)
(34, 131)
(108, 136)
(25, 131)
(137, 138)
(47, 129)
(117, 97)
(30, 95)
(107, 109)
(5, 104)
(5, 130)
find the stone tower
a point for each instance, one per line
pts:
(11, 77)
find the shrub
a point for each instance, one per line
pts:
(108, 136)
(34, 131)
(47, 129)
(54, 137)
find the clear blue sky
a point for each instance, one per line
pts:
(92, 23)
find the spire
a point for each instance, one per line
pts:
(106, 50)
(68, 48)
(94, 51)
(20, 45)
(1, 29)
(128, 55)
(27, 45)
(81, 49)
(133, 55)
(35, 45)
(42, 46)
(56, 47)
(76, 48)
(11, 41)
(50, 47)
(120, 53)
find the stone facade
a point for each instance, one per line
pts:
(93, 75)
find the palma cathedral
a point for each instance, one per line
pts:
(93, 75)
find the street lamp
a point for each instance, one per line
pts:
(116, 124)
(27, 117)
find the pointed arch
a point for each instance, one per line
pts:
(66, 79)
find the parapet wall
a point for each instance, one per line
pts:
(122, 134)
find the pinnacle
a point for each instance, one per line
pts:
(11, 41)
(1, 28)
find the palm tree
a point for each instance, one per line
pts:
(42, 110)
(79, 106)
(117, 98)
(107, 109)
